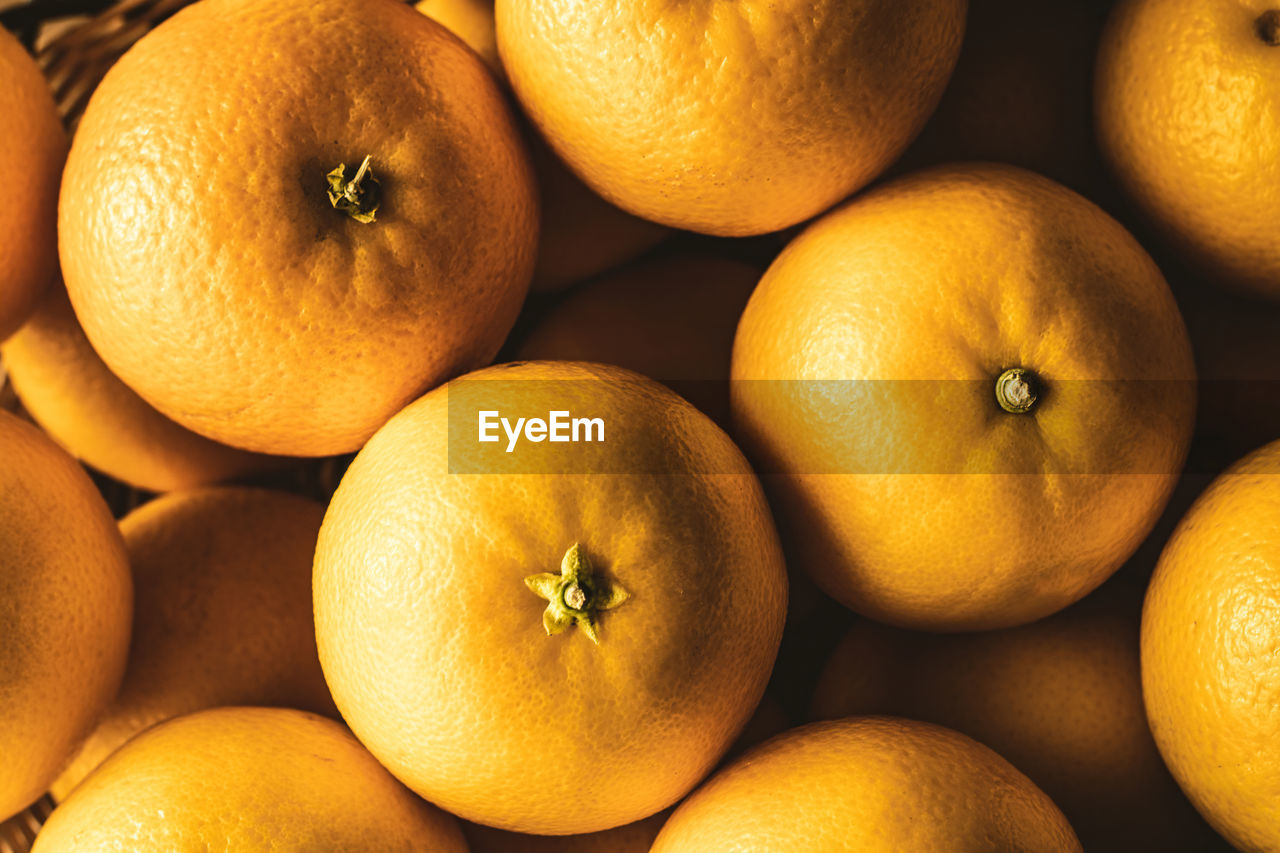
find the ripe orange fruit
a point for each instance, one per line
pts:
(246, 779)
(1060, 698)
(869, 784)
(729, 119)
(1022, 93)
(1185, 99)
(654, 548)
(671, 319)
(35, 146)
(222, 614)
(582, 234)
(768, 720)
(1210, 672)
(65, 603)
(66, 388)
(216, 261)
(974, 391)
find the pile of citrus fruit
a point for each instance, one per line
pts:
(546, 425)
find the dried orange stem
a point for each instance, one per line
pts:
(358, 197)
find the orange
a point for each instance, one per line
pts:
(207, 262)
(246, 779)
(973, 392)
(637, 837)
(567, 618)
(1185, 99)
(35, 146)
(869, 784)
(1210, 673)
(1022, 93)
(671, 318)
(1061, 699)
(65, 604)
(66, 388)
(222, 614)
(581, 233)
(729, 119)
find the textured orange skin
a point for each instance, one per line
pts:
(435, 651)
(1210, 673)
(1186, 95)
(768, 720)
(582, 234)
(67, 389)
(871, 785)
(65, 605)
(206, 263)
(35, 147)
(246, 779)
(1060, 698)
(728, 118)
(222, 613)
(671, 318)
(1022, 93)
(958, 273)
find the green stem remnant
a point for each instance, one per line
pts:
(1267, 26)
(359, 197)
(1017, 390)
(576, 596)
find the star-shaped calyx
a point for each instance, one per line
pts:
(577, 595)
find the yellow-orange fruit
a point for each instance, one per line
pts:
(221, 264)
(871, 784)
(502, 636)
(34, 146)
(971, 391)
(729, 119)
(77, 400)
(65, 606)
(222, 613)
(767, 721)
(1210, 671)
(1060, 698)
(246, 779)
(1185, 94)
